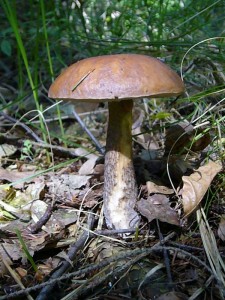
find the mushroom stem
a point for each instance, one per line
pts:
(120, 189)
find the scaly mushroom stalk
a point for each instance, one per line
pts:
(120, 189)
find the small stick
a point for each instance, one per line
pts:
(24, 126)
(166, 258)
(42, 221)
(67, 264)
(107, 261)
(16, 278)
(83, 126)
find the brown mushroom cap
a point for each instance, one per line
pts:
(116, 77)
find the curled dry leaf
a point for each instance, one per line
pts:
(158, 207)
(196, 185)
(177, 137)
(182, 136)
(88, 167)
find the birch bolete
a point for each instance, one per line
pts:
(119, 80)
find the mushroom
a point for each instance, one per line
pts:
(118, 79)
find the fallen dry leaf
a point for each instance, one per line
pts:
(158, 207)
(88, 167)
(196, 185)
(7, 150)
(73, 181)
(13, 250)
(15, 176)
(66, 186)
(181, 137)
(89, 197)
(58, 220)
(21, 271)
(160, 189)
(178, 137)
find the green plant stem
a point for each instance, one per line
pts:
(26, 251)
(10, 12)
(50, 63)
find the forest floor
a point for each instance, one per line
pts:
(54, 240)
